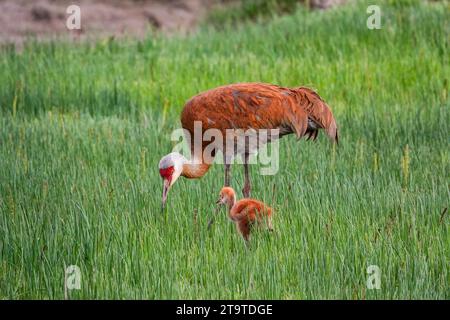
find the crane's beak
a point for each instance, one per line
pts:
(166, 187)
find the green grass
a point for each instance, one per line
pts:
(82, 128)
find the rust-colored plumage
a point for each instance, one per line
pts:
(245, 213)
(260, 106)
(251, 106)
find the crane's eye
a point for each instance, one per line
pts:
(166, 173)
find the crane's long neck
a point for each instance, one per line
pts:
(194, 170)
(231, 202)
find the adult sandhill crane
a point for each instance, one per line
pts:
(244, 106)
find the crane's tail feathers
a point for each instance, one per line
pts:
(319, 112)
(312, 134)
(298, 122)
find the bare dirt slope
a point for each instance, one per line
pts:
(43, 19)
(20, 19)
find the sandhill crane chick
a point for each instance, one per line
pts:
(245, 213)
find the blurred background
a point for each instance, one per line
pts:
(43, 19)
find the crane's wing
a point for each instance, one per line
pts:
(297, 120)
(301, 111)
(260, 106)
(318, 111)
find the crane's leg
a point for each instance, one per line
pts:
(227, 164)
(227, 175)
(247, 188)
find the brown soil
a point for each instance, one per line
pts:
(46, 19)
(43, 19)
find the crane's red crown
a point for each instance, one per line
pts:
(166, 173)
